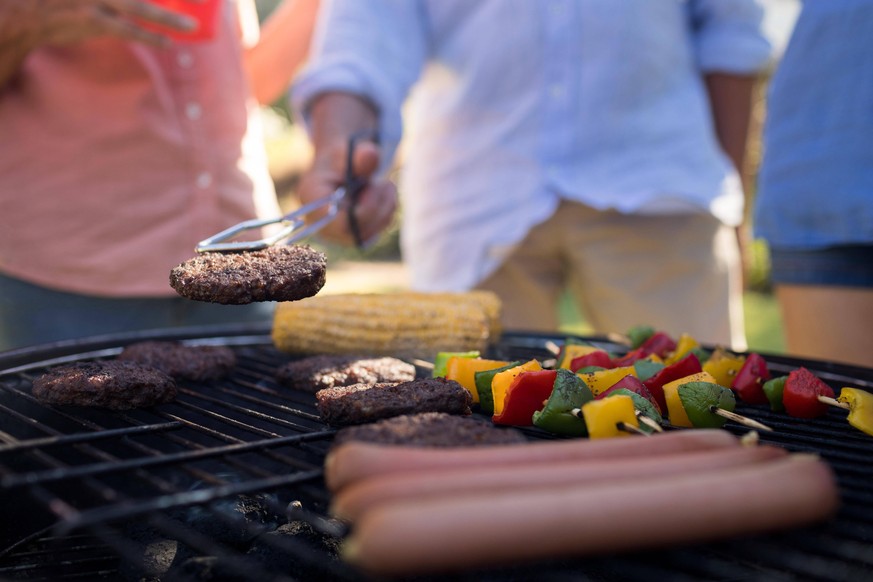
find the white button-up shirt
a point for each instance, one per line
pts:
(516, 104)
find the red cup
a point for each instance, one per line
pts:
(205, 13)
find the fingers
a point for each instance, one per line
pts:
(366, 159)
(375, 209)
(153, 13)
(377, 203)
(111, 24)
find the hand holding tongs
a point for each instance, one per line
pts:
(294, 227)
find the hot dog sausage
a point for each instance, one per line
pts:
(360, 496)
(352, 461)
(453, 532)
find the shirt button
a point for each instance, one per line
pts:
(185, 59)
(204, 179)
(193, 111)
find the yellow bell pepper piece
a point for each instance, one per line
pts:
(724, 366)
(602, 417)
(675, 410)
(462, 370)
(860, 408)
(685, 344)
(573, 351)
(500, 383)
(601, 380)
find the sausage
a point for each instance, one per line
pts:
(352, 461)
(355, 499)
(454, 532)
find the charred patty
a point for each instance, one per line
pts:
(319, 372)
(197, 363)
(111, 384)
(277, 273)
(430, 429)
(362, 403)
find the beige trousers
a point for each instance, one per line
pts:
(680, 274)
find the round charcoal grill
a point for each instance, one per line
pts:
(225, 483)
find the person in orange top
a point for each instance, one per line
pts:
(122, 148)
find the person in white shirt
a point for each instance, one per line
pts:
(588, 144)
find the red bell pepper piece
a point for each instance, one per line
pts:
(659, 343)
(629, 358)
(749, 381)
(633, 384)
(687, 366)
(599, 358)
(525, 396)
(801, 392)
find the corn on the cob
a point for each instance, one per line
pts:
(405, 324)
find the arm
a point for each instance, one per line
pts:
(333, 118)
(282, 48)
(26, 25)
(730, 98)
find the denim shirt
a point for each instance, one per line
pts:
(517, 104)
(816, 181)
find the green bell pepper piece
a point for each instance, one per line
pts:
(483, 386)
(773, 391)
(645, 369)
(442, 359)
(638, 335)
(569, 392)
(698, 397)
(643, 405)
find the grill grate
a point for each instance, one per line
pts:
(192, 488)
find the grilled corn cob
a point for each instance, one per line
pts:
(404, 325)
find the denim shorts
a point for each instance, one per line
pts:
(844, 266)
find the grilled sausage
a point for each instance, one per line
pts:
(454, 532)
(357, 498)
(352, 461)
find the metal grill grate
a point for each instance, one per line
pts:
(191, 488)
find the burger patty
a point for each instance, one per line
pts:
(277, 273)
(360, 403)
(196, 363)
(430, 429)
(319, 372)
(114, 384)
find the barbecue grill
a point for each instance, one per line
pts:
(225, 483)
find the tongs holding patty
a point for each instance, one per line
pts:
(294, 225)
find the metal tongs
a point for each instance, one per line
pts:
(294, 226)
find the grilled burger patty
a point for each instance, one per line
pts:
(196, 363)
(277, 273)
(114, 384)
(430, 429)
(319, 372)
(360, 403)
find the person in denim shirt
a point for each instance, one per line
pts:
(814, 206)
(589, 145)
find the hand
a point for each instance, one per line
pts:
(376, 203)
(58, 22)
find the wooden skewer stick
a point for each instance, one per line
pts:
(620, 425)
(554, 348)
(649, 421)
(630, 428)
(422, 363)
(738, 418)
(833, 402)
(618, 338)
